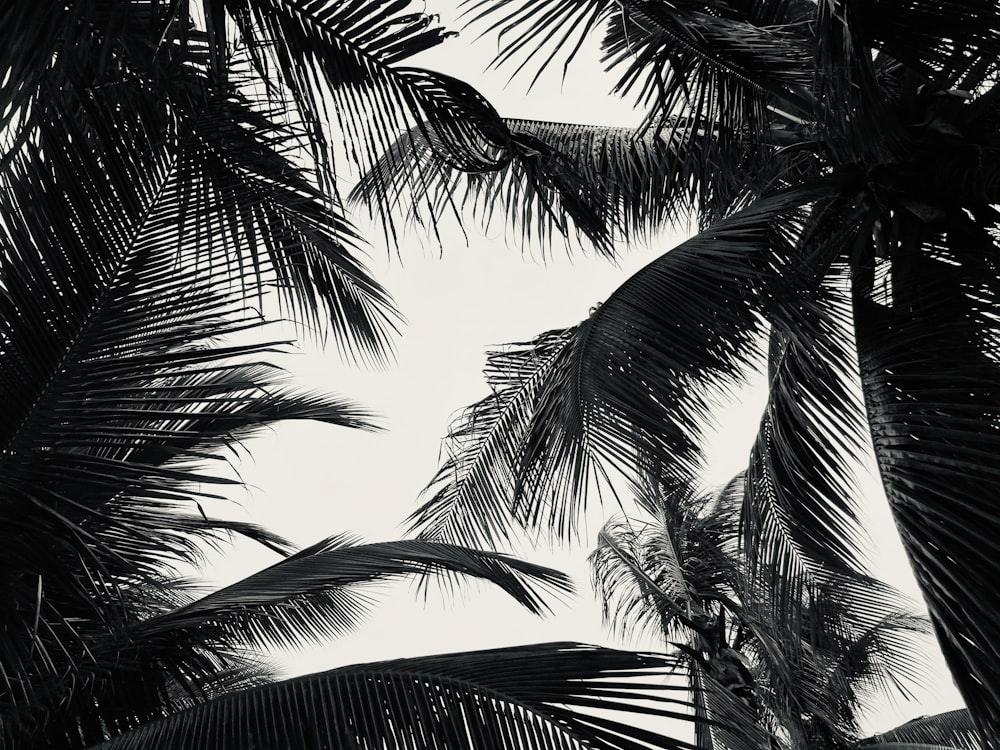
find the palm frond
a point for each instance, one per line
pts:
(561, 181)
(637, 575)
(116, 389)
(242, 156)
(350, 52)
(927, 342)
(945, 42)
(470, 490)
(882, 660)
(233, 146)
(318, 593)
(737, 41)
(523, 697)
(734, 725)
(59, 54)
(799, 516)
(601, 183)
(166, 658)
(656, 572)
(952, 729)
(716, 63)
(631, 381)
(851, 100)
(723, 83)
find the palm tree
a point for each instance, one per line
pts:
(841, 157)
(766, 676)
(154, 198)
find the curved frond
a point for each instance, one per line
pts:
(631, 381)
(468, 504)
(799, 515)
(118, 387)
(283, 229)
(724, 83)
(174, 651)
(318, 593)
(560, 181)
(601, 183)
(927, 340)
(347, 54)
(733, 71)
(533, 697)
(743, 44)
(953, 729)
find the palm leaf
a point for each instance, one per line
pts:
(926, 333)
(114, 394)
(945, 42)
(466, 505)
(722, 81)
(528, 696)
(178, 656)
(350, 51)
(313, 595)
(629, 382)
(656, 572)
(735, 72)
(243, 158)
(602, 183)
(952, 729)
(736, 41)
(637, 576)
(234, 147)
(560, 180)
(798, 516)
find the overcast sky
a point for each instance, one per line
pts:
(310, 481)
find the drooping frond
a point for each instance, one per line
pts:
(799, 514)
(166, 658)
(348, 55)
(231, 141)
(118, 387)
(733, 75)
(927, 340)
(565, 180)
(560, 182)
(468, 504)
(883, 659)
(744, 45)
(319, 592)
(631, 381)
(528, 697)
(724, 83)
(244, 159)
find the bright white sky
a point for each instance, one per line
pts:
(311, 481)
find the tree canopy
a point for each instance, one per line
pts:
(167, 166)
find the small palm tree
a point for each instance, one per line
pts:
(762, 673)
(841, 158)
